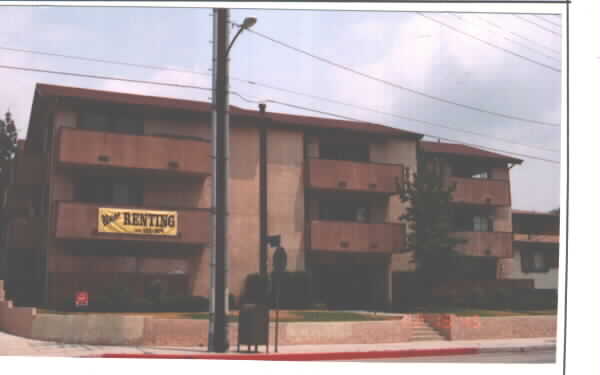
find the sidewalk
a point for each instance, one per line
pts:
(18, 346)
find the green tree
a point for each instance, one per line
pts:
(8, 137)
(429, 221)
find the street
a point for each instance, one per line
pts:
(542, 356)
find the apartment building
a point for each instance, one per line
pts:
(535, 248)
(114, 190)
(481, 207)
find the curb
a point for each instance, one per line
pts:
(331, 356)
(518, 349)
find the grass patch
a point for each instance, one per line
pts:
(462, 311)
(331, 316)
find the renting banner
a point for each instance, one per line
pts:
(133, 221)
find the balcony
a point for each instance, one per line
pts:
(480, 191)
(136, 153)
(338, 236)
(495, 244)
(341, 175)
(25, 233)
(79, 221)
(536, 238)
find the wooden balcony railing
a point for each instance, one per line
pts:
(76, 220)
(341, 236)
(480, 191)
(141, 153)
(495, 244)
(539, 238)
(341, 175)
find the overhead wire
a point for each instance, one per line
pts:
(490, 44)
(535, 24)
(332, 114)
(517, 35)
(364, 108)
(529, 47)
(401, 87)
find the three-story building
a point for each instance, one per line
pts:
(113, 190)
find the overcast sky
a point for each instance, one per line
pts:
(400, 47)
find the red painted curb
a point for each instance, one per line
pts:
(336, 356)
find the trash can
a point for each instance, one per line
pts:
(253, 326)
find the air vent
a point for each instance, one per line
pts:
(104, 158)
(344, 244)
(342, 184)
(372, 186)
(173, 165)
(374, 245)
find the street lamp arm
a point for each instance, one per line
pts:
(233, 41)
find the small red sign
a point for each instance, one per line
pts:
(81, 299)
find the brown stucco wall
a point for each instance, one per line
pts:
(285, 181)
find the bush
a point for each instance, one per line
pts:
(256, 289)
(295, 291)
(183, 304)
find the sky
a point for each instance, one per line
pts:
(403, 48)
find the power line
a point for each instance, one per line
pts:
(517, 35)
(358, 120)
(104, 77)
(545, 20)
(489, 44)
(536, 24)
(533, 49)
(504, 140)
(114, 62)
(395, 85)
(429, 123)
(254, 101)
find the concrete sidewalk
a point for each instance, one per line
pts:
(18, 346)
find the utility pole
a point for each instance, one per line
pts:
(217, 336)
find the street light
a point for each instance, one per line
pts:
(217, 335)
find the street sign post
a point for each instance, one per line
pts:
(279, 267)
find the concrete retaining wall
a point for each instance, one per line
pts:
(480, 328)
(111, 329)
(95, 329)
(468, 328)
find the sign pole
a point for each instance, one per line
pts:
(217, 338)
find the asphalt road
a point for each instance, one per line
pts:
(545, 356)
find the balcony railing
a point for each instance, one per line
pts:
(341, 236)
(141, 153)
(76, 220)
(495, 244)
(341, 175)
(539, 238)
(24, 233)
(480, 191)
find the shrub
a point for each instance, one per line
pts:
(183, 304)
(295, 291)
(256, 289)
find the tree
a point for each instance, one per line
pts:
(429, 221)
(8, 137)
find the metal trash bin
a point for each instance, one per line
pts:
(253, 326)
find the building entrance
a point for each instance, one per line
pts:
(346, 285)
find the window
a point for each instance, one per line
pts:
(106, 190)
(536, 260)
(466, 171)
(94, 121)
(344, 151)
(118, 123)
(482, 224)
(344, 210)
